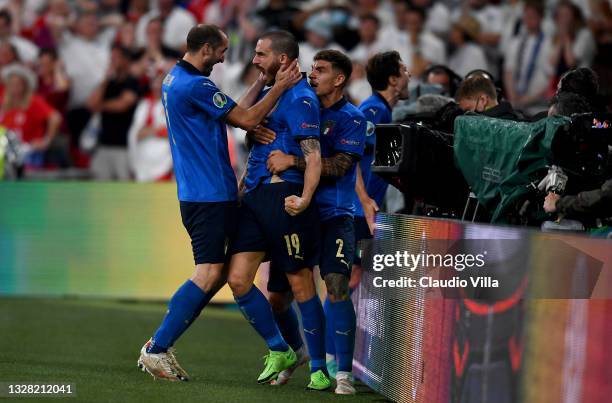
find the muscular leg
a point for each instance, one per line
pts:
(285, 318)
(313, 318)
(344, 320)
(186, 304)
(253, 304)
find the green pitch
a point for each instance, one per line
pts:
(95, 344)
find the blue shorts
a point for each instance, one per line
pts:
(337, 248)
(211, 226)
(265, 226)
(362, 232)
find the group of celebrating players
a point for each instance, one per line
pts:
(307, 197)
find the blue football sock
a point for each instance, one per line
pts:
(256, 309)
(313, 320)
(289, 327)
(344, 333)
(330, 346)
(185, 305)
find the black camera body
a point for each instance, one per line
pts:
(420, 163)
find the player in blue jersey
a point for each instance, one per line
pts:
(277, 218)
(196, 116)
(343, 133)
(389, 77)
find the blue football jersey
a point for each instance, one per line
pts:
(294, 118)
(343, 130)
(376, 110)
(195, 115)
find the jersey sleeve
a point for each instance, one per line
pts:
(372, 117)
(211, 100)
(351, 138)
(304, 119)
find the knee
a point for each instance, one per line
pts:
(337, 287)
(302, 285)
(209, 277)
(239, 284)
(280, 301)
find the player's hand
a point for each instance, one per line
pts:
(369, 211)
(288, 76)
(278, 161)
(262, 134)
(550, 202)
(294, 205)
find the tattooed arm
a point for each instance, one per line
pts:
(312, 173)
(338, 165)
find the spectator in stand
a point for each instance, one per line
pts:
(115, 99)
(137, 9)
(126, 37)
(527, 71)
(176, 24)
(467, 54)
(417, 47)
(279, 14)
(26, 50)
(148, 146)
(8, 55)
(573, 43)
(319, 36)
(27, 114)
(490, 16)
(438, 16)
(85, 55)
(155, 55)
(369, 43)
(57, 17)
(53, 83)
(601, 26)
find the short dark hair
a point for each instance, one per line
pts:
(568, 103)
(582, 81)
(536, 5)
(6, 15)
(338, 60)
(380, 67)
(370, 17)
(52, 52)
(416, 9)
(202, 34)
(471, 87)
(282, 42)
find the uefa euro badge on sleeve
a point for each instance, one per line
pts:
(219, 99)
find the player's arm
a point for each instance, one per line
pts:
(250, 95)
(338, 165)
(248, 119)
(312, 173)
(369, 205)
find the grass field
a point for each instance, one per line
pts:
(95, 344)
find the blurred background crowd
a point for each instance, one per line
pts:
(80, 79)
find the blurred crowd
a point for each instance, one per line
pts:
(80, 79)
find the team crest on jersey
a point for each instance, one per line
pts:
(370, 129)
(328, 127)
(168, 79)
(219, 99)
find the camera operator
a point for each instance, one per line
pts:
(476, 94)
(588, 204)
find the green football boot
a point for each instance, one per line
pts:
(319, 381)
(275, 362)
